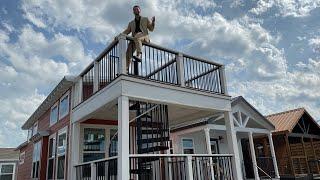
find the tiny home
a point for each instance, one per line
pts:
(9, 159)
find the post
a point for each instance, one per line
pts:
(75, 145)
(122, 54)
(180, 69)
(189, 168)
(273, 154)
(93, 171)
(123, 138)
(233, 146)
(253, 157)
(223, 80)
(209, 150)
(95, 76)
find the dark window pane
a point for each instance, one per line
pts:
(92, 156)
(6, 177)
(188, 151)
(50, 169)
(60, 170)
(94, 139)
(7, 169)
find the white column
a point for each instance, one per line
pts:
(180, 69)
(233, 146)
(93, 171)
(123, 138)
(209, 150)
(273, 154)
(189, 168)
(122, 54)
(95, 76)
(253, 157)
(75, 146)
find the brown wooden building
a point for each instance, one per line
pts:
(296, 142)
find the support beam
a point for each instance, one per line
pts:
(286, 138)
(180, 69)
(122, 54)
(253, 157)
(189, 169)
(75, 146)
(95, 76)
(209, 151)
(273, 155)
(123, 138)
(233, 146)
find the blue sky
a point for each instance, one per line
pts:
(271, 48)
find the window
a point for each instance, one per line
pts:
(93, 144)
(214, 146)
(34, 129)
(29, 133)
(21, 157)
(64, 106)
(51, 156)
(54, 114)
(61, 153)
(7, 171)
(36, 160)
(187, 146)
(113, 143)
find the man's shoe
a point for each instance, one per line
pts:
(136, 58)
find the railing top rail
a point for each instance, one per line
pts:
(180, 155)
(114, 42)
(96, 161)
(176, 52)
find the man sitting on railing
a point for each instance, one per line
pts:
(139, 28)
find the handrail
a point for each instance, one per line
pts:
(264, 172)
(181, 155)
(201, 75)
(96, 161)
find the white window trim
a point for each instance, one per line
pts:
(21, 161)
(34, 129)
(14, 169)
(52, 107)
(39, 160)
(60, 132)
(54, 137)
(187, 148)
(67, 112)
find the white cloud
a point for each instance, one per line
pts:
(315, 43)
(294, 8)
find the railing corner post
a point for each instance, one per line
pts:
(122, 54)
(93, 171)
(80, 90)
(223, 80)
(180, 69)
(95, 76)
(189, 168)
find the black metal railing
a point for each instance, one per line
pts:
(204, 165)
(202, 75)
(156, 63)
(83, 172)
(107, 169)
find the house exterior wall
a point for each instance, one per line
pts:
(24, 170)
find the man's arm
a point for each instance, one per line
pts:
(128, 30)
(151, 24)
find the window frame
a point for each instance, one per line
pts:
(39, 167)
(183, 148)
(57, 119)
(60, 116)
(52, 136)
(13, 171)
(61, 132)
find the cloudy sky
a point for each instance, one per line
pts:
(271, 48)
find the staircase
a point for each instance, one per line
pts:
(151, 134)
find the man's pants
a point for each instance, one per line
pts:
(135, 45)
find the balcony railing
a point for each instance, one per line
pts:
(161, 167)
(158, 64)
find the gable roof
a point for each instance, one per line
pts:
(57, 92)
(9, 154)
(287, 120)
(241, 99)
